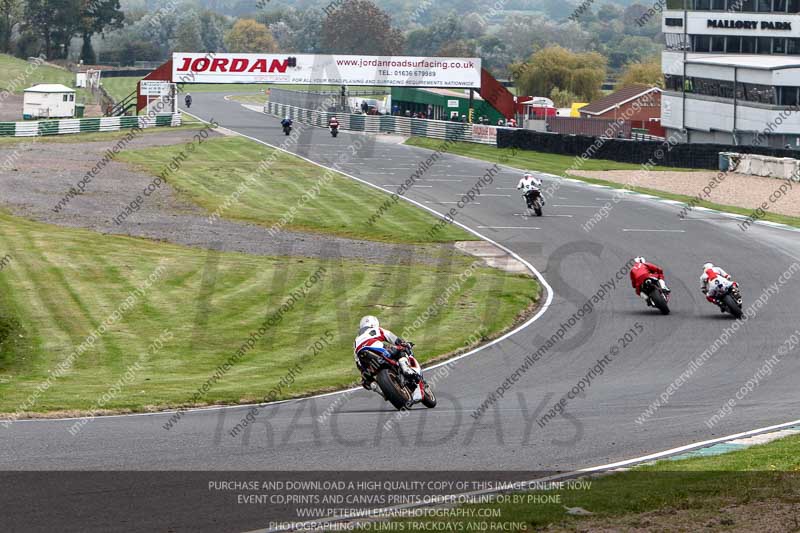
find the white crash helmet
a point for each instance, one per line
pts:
(708, 266)
(639, 259)
(369, 321)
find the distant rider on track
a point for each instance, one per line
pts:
(641, 271)
(286, 122)
(372, 336)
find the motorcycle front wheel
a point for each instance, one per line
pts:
(429, 400)
(397, 395)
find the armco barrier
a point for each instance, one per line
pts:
(435, 129)
(679, 155)
(84, 125)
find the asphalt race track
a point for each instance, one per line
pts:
(600, 424)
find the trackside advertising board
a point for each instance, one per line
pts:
(309, 69)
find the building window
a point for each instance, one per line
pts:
(677, 41)
(764, 6)
(64, 97)
(702, 5)
(673, 22)
(734, 44)
(718, 5)
(701, 43)
(788, 96)
(753, 92)
(779, 6)
(673, 83)
(749, 92)
(793, 6)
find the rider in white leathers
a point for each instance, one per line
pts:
(529, 182)
(715, 282)
(371, 335)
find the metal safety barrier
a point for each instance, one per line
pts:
(418, 127)
(85, 125)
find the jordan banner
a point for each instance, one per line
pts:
(309, 69)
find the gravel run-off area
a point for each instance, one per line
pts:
(736, 190)
(35, 176)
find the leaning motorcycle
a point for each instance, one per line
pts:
(731, 301)
(656, 296)
(534, 200)
(392, 384)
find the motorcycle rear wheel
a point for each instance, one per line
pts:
(398, 396)
(733, 308)
(659, 301)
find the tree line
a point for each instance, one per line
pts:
(562, 50)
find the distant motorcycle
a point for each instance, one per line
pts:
(731, 301)
(656, 296)
(334, 131)
(392, 384)
(287, 129)
(534, 200)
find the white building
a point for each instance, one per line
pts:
(48, 100)
(732, 71)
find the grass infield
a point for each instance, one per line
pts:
(148, 347)
(340, 206)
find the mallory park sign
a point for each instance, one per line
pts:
(749, 24)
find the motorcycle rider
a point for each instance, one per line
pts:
(715, 282)
(333, 123)
(529, 183)
(641, 271)
(188, 100)
(286, 122)
(371, 335)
